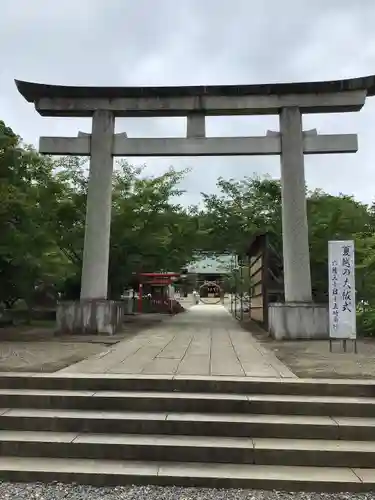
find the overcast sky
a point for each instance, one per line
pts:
(196, 42)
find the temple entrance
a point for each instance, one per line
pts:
(287, 100)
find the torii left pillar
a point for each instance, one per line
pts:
(94, 282)
(94, 313)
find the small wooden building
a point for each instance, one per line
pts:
(265, 267)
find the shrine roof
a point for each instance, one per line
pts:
(35, 91)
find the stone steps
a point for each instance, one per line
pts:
(155, 401)
(237, 385)
(176, 431)
(167, 448)
(122, 472)
(189, 424)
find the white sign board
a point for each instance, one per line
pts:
(342, 306)
(171, 292)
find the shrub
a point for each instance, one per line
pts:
(366, 321)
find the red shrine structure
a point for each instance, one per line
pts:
(158, 286)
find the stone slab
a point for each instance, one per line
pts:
(193, 364)
(177, 348)
(89, 317)
(106, 472)
(254, 471)
(162, 440)
(224, 360)
(86, 466)
(38, 436)
(205, 146)
(367, 476)
(84, 414)
(265, 102)
(162, 366)
(200, 345)
(296, 320)
(324, 445)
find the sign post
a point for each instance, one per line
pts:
(342, 303)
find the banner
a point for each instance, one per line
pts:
(342, 306)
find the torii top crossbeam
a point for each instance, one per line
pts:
(310, 97)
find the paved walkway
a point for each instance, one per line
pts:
(204, 341)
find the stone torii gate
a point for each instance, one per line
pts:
(298, 316)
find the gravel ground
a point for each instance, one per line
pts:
(312, 359)
(44, 356)
(58, 491)
(34, 349)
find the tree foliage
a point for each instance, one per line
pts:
(245, 208)
(28, 253)
(42, 222)
(241, 209)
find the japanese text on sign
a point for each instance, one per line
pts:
(342, 313)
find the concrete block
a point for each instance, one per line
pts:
(298, 320)
(212, 105)
(90, 316)
(200, 146)
(196, 125)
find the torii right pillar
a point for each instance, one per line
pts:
(298, 316)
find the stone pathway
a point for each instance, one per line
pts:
(204, 341)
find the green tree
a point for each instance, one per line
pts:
(242, 209)
(148, 231)
(245, 208)
(28, 254)
(333, 218)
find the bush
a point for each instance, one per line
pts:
(366, 322)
